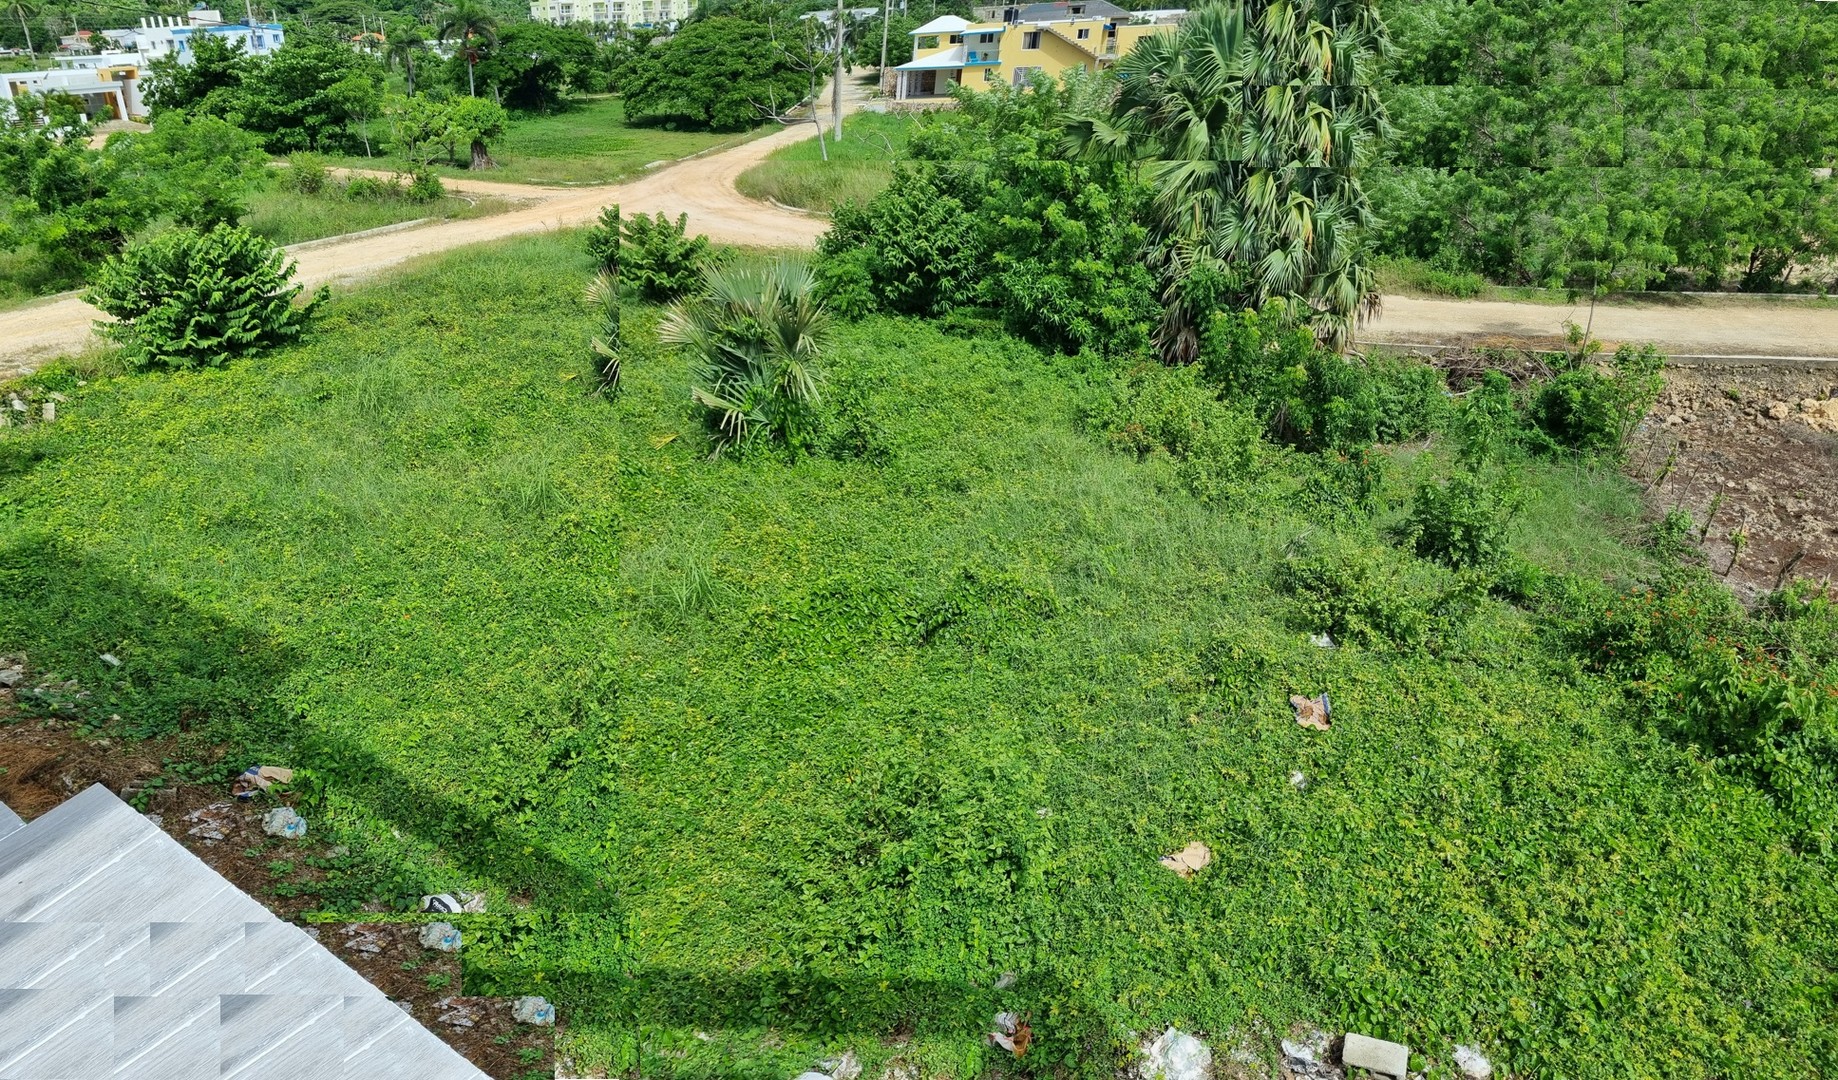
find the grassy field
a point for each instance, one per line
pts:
(859, 166)
(288, 217)
(589, 143)
(762, 760)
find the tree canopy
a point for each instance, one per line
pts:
(723, 73)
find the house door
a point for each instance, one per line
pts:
(928, 82)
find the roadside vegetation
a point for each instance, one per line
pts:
(858, 167)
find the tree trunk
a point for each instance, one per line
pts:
(480, 158)
(471, 87)
(30, 51)
(411, 77)
(886, 17)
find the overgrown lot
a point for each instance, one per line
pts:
(804, 755)
(858, 168)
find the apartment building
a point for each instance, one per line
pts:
(612, 12)
(949, 52)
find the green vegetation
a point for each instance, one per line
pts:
(858, 167)
(726, 70)
(587, 142)
(787, 756)
(1596, 144)
(193, 298)
(1252, 124)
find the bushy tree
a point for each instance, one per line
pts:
(988, 212)
(720, 73)
(73, 203)
(200, 167)
(302, 96)
(531, 67)
(208, 82)
(464, 128)
(190, 298)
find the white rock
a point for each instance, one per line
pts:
(1306, 1052)
(1176, 1055)
(844, 1067)
(440, 936)
(1375, 1055)
(283, 822)
(533, 1010)
(50, 411)
(1472, 1063)
(812, 1075)
(1322, 641)
(1007, 980)
(110, 659)
(1298, 780)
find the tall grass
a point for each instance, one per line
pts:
(859, 166)
(587, 142)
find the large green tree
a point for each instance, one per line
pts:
(723, 73)
(1252, 122)
(532, 67)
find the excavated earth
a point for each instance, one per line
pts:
(1751, 451)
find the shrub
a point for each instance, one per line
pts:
(1462, 523)
(1170, 410)
(425, 186)
(659, 257)
(306, 174)
(609, 342)
(1355, 595)
(603, 241)
(1593, 411)
(187, 298)
(1488, 425)
(373, 189)
(757, 332)
(1310, 397)
(1411, 397)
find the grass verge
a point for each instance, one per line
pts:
(859, 166)
(586, 143)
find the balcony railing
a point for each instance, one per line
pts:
(981, 59)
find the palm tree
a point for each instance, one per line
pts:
(466, 20)
(1252, 122)
(404, 41)
(757, 331)
(23, 8)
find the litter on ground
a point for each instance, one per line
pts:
(1190, 860)
(1312, 712)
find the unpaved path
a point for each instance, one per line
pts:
(703, 187)
(1703, 326)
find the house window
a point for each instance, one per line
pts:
(1078, 9)
(1030, 40)
(1083, 34)
(957, 39)
(987, 39)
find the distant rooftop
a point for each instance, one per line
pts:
(122, 955)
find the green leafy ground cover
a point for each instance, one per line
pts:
(805, 755)
(588, 142)
(859, 166)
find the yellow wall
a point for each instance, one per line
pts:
(1059, 48)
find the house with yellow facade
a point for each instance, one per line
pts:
(949, 51)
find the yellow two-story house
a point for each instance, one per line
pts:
(949, 51)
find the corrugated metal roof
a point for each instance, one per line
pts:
(124, 955)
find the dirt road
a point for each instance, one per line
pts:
(1707, 326)
(703, 187)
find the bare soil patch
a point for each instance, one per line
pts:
(1753, 452)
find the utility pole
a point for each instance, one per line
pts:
(836, 83)
(886, 15)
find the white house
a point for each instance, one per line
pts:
(107, 84)
(160, 36)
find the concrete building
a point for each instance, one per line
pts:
(612, 12)
(107, 84)
(1051, 38)
(166, 35)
